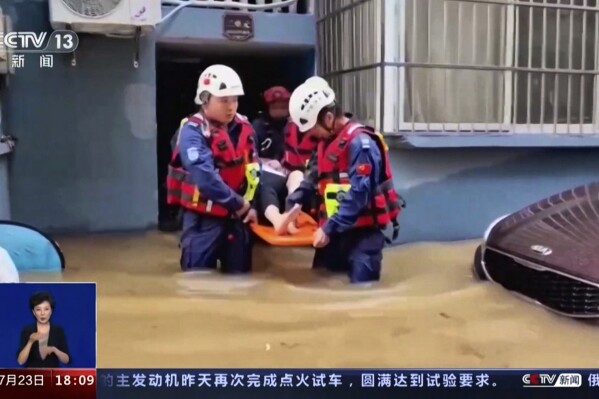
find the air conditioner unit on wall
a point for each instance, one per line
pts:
(118, 17)
(109, 17)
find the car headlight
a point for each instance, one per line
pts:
(493, 223)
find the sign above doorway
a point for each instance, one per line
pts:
(238, 26)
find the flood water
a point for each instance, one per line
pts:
(427, 311)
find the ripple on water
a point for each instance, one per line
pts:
(212, 283)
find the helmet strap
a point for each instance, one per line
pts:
(329, 129)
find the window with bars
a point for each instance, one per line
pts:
(526, 66)
(349, 53)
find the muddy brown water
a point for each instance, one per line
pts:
(427, 311)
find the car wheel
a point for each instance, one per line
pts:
(477, 268)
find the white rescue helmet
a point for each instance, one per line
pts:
(219, 81)
(317, 81)
(306, 102)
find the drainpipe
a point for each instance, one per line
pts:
(7, 145)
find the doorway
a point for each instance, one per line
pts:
(177, 73)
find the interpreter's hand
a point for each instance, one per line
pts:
(35, 336)
(251, 217)
(244, 209)
(47, 350)
(320, 239)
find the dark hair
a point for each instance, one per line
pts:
(334, 108)
(41, 297)
(204, 97)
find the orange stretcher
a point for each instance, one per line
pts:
(304, 237)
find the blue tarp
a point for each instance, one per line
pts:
(30, 249)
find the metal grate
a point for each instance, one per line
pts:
(517, 66)
(350, 53)
(555, 291)
(92, 8)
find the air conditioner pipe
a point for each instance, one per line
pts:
(227, 3)
(180, 4)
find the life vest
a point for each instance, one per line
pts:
(297, 150)
(333, 181)
(235, 165)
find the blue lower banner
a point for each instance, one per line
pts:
(345, 383)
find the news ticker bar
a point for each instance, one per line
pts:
(294, 383)
(48, 383)
(344, 383)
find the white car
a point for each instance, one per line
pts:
(8, 270)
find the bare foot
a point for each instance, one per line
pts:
(278, 226)
(286, 219)
(292, 228)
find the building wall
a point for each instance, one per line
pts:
(454, 193)
(4, 190)
(86, 158)
(86, 134)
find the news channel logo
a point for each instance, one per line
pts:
(59, 41)
(562, 380)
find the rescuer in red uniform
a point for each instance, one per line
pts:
(213, 176)
(354, 184)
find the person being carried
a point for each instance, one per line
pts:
(284, 151)
(213, 176)
(354, 183)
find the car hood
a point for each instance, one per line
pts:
(560, 232)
